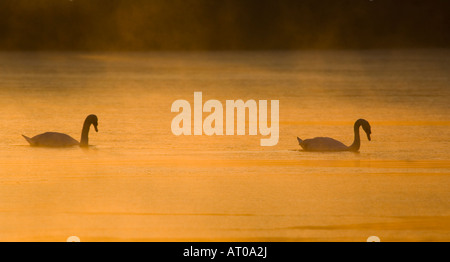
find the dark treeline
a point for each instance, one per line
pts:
(222, 24)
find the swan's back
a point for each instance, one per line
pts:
(52, 139)
(322, 144)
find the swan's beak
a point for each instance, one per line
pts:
(96, 129)
(368, 136)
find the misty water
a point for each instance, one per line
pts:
(139, 182)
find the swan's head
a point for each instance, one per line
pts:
(366, 127)
(93, 120)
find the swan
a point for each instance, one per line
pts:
(54, 139)
(320, 144)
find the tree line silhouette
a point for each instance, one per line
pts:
(222, 24)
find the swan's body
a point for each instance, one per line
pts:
(54, 139)
(327, 144)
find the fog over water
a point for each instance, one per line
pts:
(138, 181)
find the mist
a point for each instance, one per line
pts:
(222, 25)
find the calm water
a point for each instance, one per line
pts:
(139, 182)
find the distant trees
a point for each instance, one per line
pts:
(222, 24)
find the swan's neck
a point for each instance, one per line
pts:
(357, 141)
(84, 134)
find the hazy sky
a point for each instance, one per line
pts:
(222, 24)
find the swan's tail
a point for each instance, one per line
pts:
(299, 141)
(28, 140)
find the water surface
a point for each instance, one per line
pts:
(139, 182)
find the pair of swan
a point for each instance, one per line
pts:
(54, 139)
(318, 144)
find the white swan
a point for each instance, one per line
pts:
(54, 139)
(320, 144)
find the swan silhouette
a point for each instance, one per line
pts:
(54, 139)
(321, 144)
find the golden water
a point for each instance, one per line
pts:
(139, 182)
